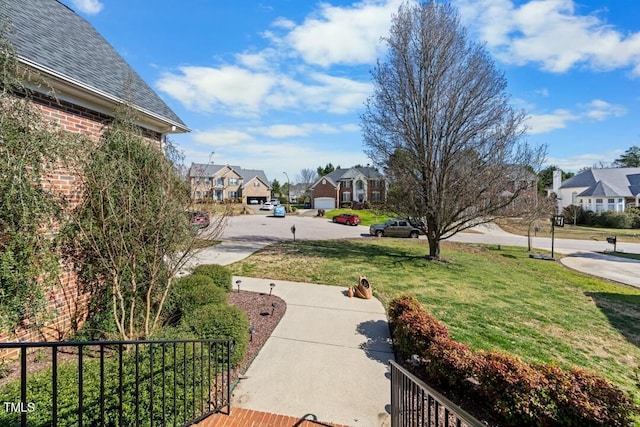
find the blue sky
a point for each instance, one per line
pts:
(279, 85)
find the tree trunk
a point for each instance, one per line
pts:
(434, 247)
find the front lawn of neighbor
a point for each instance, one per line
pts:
(489, 298)
(367, 216)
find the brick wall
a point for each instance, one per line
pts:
(67, 299)
(323, 190)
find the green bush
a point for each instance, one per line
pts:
(189, 401)
(220, 321)
(190, 292)
(220, 274)
(518, 393)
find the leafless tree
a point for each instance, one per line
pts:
(440, 124)
(307, 177)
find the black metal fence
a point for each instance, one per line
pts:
(116, 383)
(413, 403)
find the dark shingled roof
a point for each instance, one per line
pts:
(52, 37)
(204, 170)
(604, 182)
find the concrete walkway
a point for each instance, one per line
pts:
(326, 359)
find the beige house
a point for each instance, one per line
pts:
(225, 183)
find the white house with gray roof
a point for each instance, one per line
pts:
(598, 190)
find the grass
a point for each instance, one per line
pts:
(622, 255)
(490, 298)
(519, 227)
(367, 216)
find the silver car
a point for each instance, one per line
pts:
(396, 228)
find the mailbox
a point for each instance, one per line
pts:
(611, 240)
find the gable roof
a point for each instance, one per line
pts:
(209, 170)
(624, 182)
(53, 39)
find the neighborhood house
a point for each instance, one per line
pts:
(599, 190)
(349, 187)
(224, 183)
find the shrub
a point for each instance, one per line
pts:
(511, 386)
(581, 397)
(189, 375)
(220, 321)
(402, 304)
(220, 274)
(415, 330)
(450, 364)
(191, 292)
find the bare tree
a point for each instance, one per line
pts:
(307, 177)
(130, 232)
(440, 124)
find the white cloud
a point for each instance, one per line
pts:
(551, 33)
(543, 123)
(343, 35)
(211, 89)
(597, 110)
(577, 162)
(90, 7)
(221, 137)
(601, 110)
(238, 91)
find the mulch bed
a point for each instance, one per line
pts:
(263, 319)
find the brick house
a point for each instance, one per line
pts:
(353, 187)
(222, 183)
(83, 81)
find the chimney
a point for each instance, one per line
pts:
(557, 180)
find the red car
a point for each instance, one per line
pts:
(198, 219)
(348, 219)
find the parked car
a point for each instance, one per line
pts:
(346, 218)
(275, 202)
(279, 211)
(267, 206)
(254, 201)
(198, 219)
(396, 228)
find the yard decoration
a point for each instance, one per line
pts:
(363, 290)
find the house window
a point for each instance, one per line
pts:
(233, 194)
(346, 196)
(219, 181)
(233, 181)
(611, 204)
(573, 197)
(375, 196)
(207, 180)
(256, 183)
(359, 185)
(346, 184)
(198, 195)
(599, 205)
(197, 180)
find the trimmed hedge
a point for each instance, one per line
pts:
(190, 292)
(220, 321)
(518, 393)
(220, 274)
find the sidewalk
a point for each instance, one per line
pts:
(326, 359)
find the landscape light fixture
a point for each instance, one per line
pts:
(271, 286)
(238, 284)
(252, 331)
(274, 305)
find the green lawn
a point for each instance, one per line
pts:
(367, 216)
(489, 298)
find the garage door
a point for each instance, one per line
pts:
(324, 203)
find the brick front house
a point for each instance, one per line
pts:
(223, 183)
(82, 81)
(353, 187)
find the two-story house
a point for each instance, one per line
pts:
(352, 187)
(598, 190)
(225, 183)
